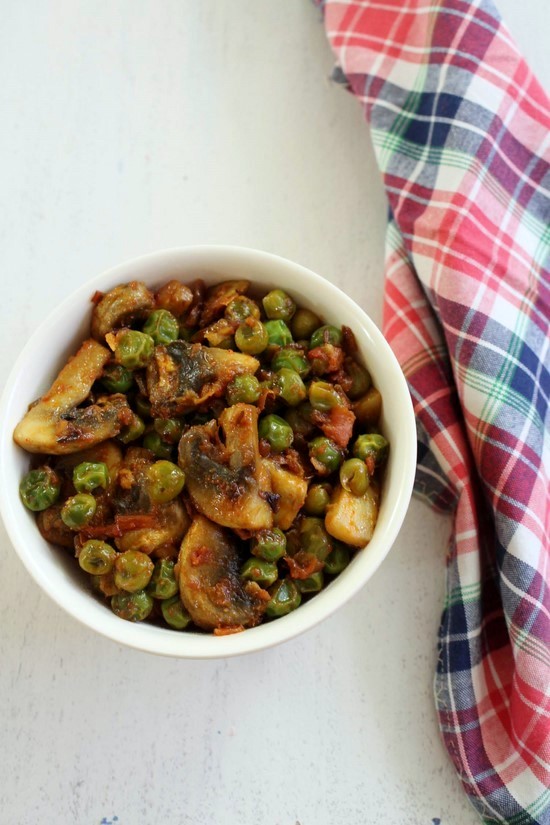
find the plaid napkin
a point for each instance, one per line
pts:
(461, 131)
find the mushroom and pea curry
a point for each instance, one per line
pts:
(212, 458)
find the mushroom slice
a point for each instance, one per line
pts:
(53, 529)
(218, 332)
(132, 490)
(219, 296)
(181, 376)
(210, 586)
(350, 518)
(167, 529)
(291, 491)
(228, 482)
(174, 296)
(119, 306)
(56, 425)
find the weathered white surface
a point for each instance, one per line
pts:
(131, 125)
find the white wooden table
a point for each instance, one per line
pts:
(131, 125)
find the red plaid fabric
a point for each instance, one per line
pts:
(461, 131)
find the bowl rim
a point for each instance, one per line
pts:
(158, 640)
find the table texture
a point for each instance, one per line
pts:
(134, 125)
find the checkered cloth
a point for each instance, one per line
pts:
(461, 131)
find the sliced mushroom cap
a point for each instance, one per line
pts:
(350, 518)
(210, 586)
(156, 526)
(217, 332)
(169, 525)
(119, 306)
(182, 376)
(55, 424)
(174, 296)
(132, 491)
(291, 491)
(53, 529)
(228, 482)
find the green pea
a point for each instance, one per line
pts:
(337, 560)
(165, 481)
(292, 359)
(88, 475)
(299, 419)
(278, 333)
(251, 337)
(279, 305)
(291, 387)
(314, 539)
(162, 326)
(324, 396)
(160, 448)
(96, 557)
(134, 607)
(174, 613)
(305, 323)
(285, 597)
(132, 431)
(371, 444)
(133, 571)
(241, 308)
(263, 572)
(312, 584)
(360, 379)
(354, 476)
(78, 510)
(243, 389)
(325, 455)
(169, 429)
(133, 349)
(276, 432)
(327, 334)
(269, 545)
(317, 499)
(40, 488)
(143, 406)
(117, 378)
(163, 584)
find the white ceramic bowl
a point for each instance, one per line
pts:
(47, 350)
